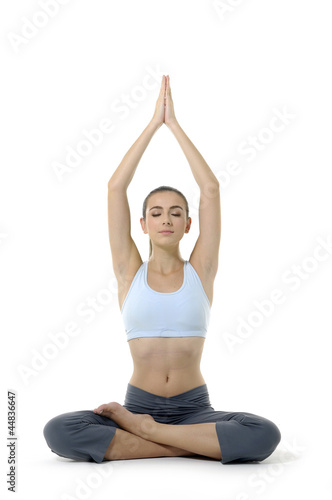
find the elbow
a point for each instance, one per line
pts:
(211, 189)
(112, 185)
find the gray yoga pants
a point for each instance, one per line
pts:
(243, 437)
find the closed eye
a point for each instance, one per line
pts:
(175, 215)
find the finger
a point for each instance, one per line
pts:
(168, 87)
(162, 88)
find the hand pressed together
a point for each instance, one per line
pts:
(164, 110)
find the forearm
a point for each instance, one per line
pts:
(200, 169)
(123, 175)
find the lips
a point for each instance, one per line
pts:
(166, 232)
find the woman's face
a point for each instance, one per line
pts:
(166, 211)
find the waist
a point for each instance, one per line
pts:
(167, 366)
(166, 384)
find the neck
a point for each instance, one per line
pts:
(165, 261)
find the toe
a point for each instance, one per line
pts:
(99, 409)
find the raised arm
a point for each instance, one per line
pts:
(206, 250)
(123, 175)
(124, 251)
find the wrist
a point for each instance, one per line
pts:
(171, 124)
(155, 125)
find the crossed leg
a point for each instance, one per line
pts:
(126, 445)
(198, 439)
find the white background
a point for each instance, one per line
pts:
(230, 71)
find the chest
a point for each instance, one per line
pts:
(174, 282)
(167, 284)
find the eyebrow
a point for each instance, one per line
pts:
(174, 206)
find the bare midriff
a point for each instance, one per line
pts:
(167, 366)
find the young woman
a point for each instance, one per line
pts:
(165, 303)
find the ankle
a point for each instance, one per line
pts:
(178, 452)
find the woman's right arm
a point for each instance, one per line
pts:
(123, 175)
(125, 255)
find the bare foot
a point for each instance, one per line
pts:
(141, 425)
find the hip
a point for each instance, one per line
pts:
(172, 409)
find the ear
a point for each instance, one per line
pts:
(188, 225)
(143, 225)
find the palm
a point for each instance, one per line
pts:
(169, 107)
(159, 113)
(169, 112)
(164, 111)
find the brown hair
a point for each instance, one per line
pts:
(158, 190)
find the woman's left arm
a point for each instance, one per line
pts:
(204, 176)
(206, 250)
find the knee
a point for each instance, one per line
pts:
(269, 438)
(56, 436)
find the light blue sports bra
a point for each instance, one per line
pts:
(183, 313)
